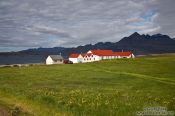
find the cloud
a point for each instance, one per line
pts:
(49, 30)
(166, 17)
(70, 23)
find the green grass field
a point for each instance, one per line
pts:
(115, 87)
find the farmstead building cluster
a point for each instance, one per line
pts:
(97, 55)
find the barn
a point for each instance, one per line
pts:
(54, 59)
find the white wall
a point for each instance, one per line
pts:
(80, 59)
(91, 58)
(87, 59)
(74, 60)
(133, 56)
(97, 58)
(49, 60)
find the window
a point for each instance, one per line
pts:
(94, 58)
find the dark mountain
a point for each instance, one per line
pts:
(43, 51)
(146, 44)
(139, 44)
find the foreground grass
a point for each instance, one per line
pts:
(115, 87)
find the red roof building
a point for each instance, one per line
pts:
(96, 55)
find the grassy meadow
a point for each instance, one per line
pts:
(107, 88)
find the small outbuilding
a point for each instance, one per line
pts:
(76, 58)
(54, 59)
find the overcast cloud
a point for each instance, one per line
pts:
(68, 23)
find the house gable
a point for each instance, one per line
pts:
(89, 52)
(54, 59)
(49, 59)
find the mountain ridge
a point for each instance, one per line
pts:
(137, 43)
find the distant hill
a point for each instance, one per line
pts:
(139, 44)
(146, 44)
(43, 51)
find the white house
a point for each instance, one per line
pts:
(54, 59)
(76, 58)
(96, 55)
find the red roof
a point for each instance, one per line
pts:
(74, 55)
(122, 53)
(89, 54)
(83, 55)
(102, 52)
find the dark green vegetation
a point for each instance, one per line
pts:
(114, 87)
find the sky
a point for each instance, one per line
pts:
(69, 23)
